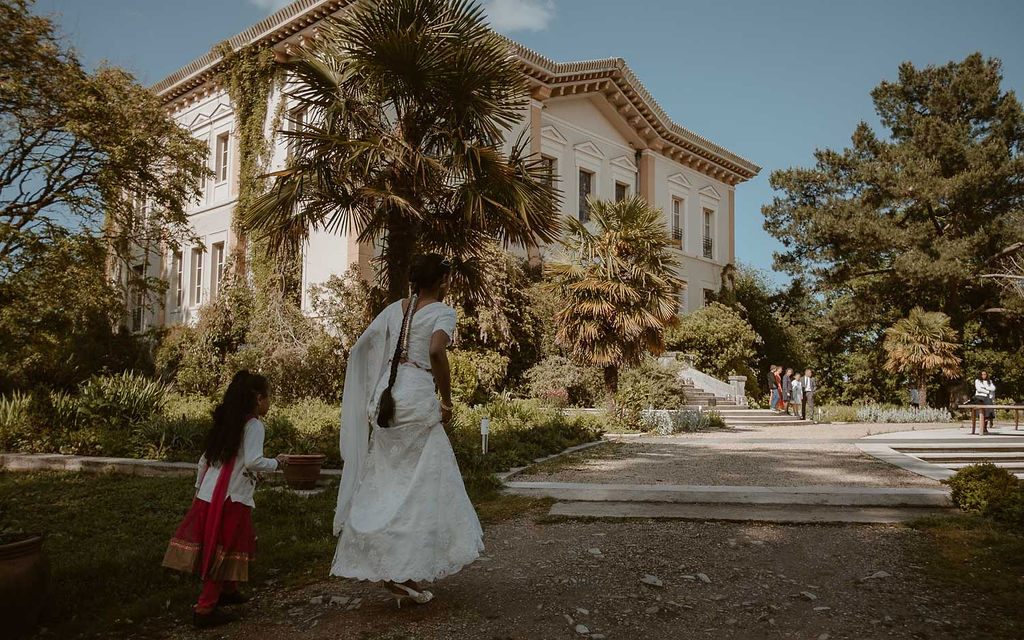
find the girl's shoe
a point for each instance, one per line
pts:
(235, 597)
(402, 592)
(215, 618)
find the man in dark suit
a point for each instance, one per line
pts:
(810, 387)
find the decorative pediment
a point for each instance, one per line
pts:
(679, 180)
(625, 163)
(589, 149)
(553, 136)
(221, 110)
(710, 192)
(198, 121)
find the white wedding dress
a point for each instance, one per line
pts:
(403, 513)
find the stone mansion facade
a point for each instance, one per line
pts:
(601, 131)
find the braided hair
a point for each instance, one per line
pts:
(426, 271)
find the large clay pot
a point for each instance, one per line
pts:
(24, 574)
(302, 471)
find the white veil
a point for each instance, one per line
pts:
(366, 365)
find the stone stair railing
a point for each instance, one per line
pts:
(733, 391)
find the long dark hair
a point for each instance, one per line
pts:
(426, 271)
(232, 413)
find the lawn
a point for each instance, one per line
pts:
(106, 536)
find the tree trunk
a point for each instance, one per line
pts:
(611, 378)
(922, 389)
(398, 255)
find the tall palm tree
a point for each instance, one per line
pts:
(618, 284)
(921, 344)
(407, 106)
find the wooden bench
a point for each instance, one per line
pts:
(975, 408)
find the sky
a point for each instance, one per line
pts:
(770, 81)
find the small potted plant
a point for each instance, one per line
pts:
(302, 471)
(24, 574)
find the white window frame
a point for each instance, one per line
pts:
(216, 268)
(178, 271)
(196, 283)
(589, 158)
(591, 192)
(708, 232)
(222, 157)
(625, 188)
(677, 222)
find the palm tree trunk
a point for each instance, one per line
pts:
(922, 389)
(398, 255)
(611, 378)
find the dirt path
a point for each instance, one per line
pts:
(542, 578)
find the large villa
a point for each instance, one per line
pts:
(602, 132)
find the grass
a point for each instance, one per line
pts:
(106, 536)
(973, 556)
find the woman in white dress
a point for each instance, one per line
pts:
(403, 515)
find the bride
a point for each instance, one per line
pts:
(403, 514)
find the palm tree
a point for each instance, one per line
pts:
(407, 103)
(921, 344)
(618, 285)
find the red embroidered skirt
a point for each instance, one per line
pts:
(236, 543)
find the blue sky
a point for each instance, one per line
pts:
(771, 81)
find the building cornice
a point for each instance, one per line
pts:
(610, 77)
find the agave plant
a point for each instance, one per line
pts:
(618, 285)
(407, 103)
(921, 344)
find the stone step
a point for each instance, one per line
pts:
(968, 456)
(746, 513)
(987, 447)
(690, 494)
(764, 422)
(1014, 466)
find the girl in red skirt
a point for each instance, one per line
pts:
(216, 538)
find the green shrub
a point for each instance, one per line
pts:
(558, 380)
(14, 419)
(476, 374)
(990, 491)
(839, 413)
(114, 408)
(520, 431)
(648, 386)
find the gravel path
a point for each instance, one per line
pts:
(695, 463)
(705, 580)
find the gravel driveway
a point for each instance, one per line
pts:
(692, 462)
(542, 579)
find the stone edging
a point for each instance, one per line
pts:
(504, 476)
(889, 455)
(25, 462)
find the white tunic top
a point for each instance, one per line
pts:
(248, 463)
(985, 388)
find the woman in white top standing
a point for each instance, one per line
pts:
(796, 393)
(985, 393)
(216, 539)
(403, 515)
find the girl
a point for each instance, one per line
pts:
(216, 539)
(403, 514)
(797, 394)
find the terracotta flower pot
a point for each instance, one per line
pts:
(24, 574)
(302, 471)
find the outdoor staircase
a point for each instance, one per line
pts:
(741, 418)
(697, 397)
(1008, 454)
